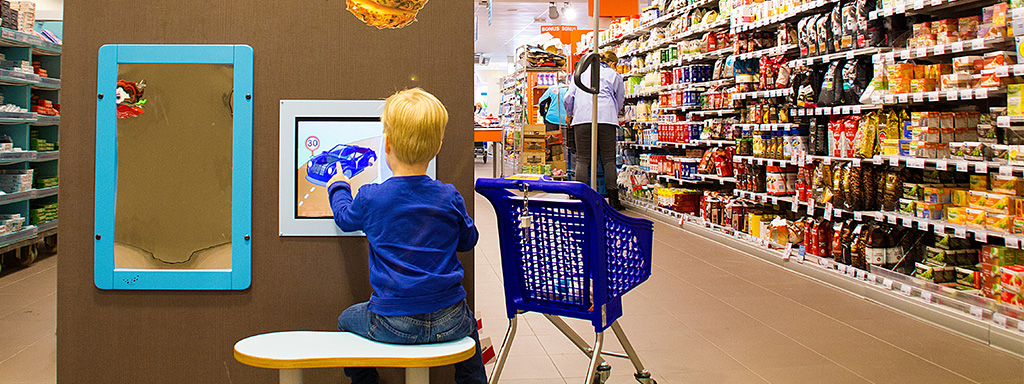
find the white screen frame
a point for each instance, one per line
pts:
(288, 224)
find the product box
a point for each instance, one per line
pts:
(534, 130)
(975, 218)
(935, 194)
(930, 210)
(1014, 298)
(1010, 185)
(956, 215)
(958, 197)
(998, 222)
(533, 145)
(979, 182)
(1013, 99)
(534, 157)
(1000, 203)
(1011, 277)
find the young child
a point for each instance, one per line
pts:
(414, 225)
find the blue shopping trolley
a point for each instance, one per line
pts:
(566, 252)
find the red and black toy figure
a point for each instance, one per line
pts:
(129, 99)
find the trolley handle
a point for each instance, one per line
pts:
(591, 60)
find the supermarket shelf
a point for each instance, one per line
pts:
(800, 10)
(762, 94)
(698, 143)
(643, 29)
(979, 44)
(12, 77)
(714, 112)
(43, 229)
(26, 232)
(708, 56)
(719, 179)
(838, 110)
(872, 51)
(706, 84)
(45, 120)
(762, 161)
(950, 95)
(18, 117)
(45, 192)
(773, 51)
(677, 108)
(922, 6)
(763, 197)
(47, 84)
(645, 146)
(640, 95)
(46, 156)
(768, 127)
(16, 156)
(905, 293)
(680, 181)
(26, 195)
(12, 38)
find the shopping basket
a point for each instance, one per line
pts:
(566, 252)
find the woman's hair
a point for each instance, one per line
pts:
(609, 57)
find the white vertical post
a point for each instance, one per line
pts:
(419, 375)
(291, 376)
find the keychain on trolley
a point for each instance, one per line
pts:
(525, 219)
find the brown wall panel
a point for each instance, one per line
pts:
(303, 50)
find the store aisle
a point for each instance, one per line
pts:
(710, 314)
(28, 323)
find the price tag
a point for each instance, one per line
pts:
(901, 7)
(1005, 170)
(1003, 71)
(977, 313)
(856, 162)
(827, 161)
(828, 210)
(936, 2)
(841, 268)
(837, 212)
(891, 219)
(915, 163)
(1020, 326)
(788, 251)
(957, 47)
(906, 289)
(951, 95)
(846, 110)
(877, 160)
(960, 232)
(775, 200)
(940, 228)
(933, 96)
(1018, 70)
(824, 262)
(870, 277)
(922, 225)
(855, 109)
(851, 271)
(981, 167)
(966, 94)
(890, 57)
(903, 99)
(894, 161)
(850, 55)
(922, 52)
(905, 54)
(941, 165)
(978, 43)
(999, 319)
(926, 296)
(961, 166)
(858, 215)
(908, 222)
(795, 206)
(889, 99)
(940, 49)
(918, 97)
(981, 93)
(887, 284)
(981, 236)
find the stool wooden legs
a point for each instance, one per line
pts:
(419, 375)
(291, 376)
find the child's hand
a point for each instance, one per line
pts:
(338, 175)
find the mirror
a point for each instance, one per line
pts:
(173, 167)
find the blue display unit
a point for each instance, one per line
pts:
(237, 107)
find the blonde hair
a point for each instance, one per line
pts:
(414, 121)
(609, 57)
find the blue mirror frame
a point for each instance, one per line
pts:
(239, 276)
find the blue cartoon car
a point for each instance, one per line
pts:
(353, 160)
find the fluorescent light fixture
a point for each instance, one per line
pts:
(569, 12)
(552, 11)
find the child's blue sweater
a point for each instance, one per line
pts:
(414, 225)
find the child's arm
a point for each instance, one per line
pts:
(468, 234)
(348, 214)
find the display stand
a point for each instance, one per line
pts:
(34, 152)
(677, 118)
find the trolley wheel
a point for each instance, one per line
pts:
(604, 372)
(485, 157)
(644, 378)
(50, 244)
(22, 257)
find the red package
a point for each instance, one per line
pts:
(849, 134)
(837, 240)
(835, 130)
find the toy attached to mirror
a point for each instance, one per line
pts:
(129, 98)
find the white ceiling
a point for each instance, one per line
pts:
(514, 24)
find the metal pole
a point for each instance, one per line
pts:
(593, 123)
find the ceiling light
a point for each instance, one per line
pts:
(552, 11)
(569, 12)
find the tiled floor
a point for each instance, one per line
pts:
(711, 315)
(707, 315)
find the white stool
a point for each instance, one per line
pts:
(293, 351)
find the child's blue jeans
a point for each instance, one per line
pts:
(452, 323)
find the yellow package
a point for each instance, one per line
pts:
(959, 197)
(979, 182)
(1010, 185)
(998, 222)
(976, 199)
(1018, 225)
(956, 215)
(1000, 203)
(974, 218)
